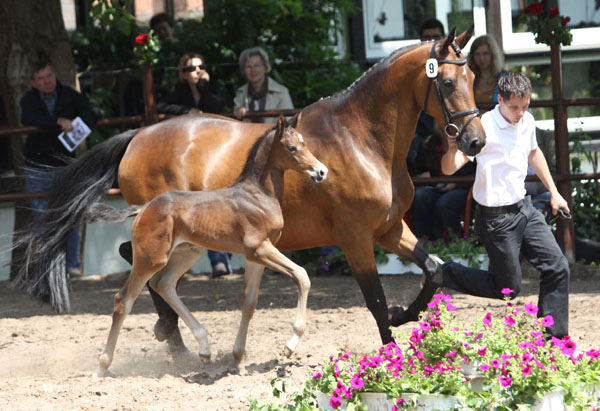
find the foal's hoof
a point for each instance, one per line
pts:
(205, 358)
(287, 351)
(399, 316)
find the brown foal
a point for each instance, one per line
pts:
(171, 231)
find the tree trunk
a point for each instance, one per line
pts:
(29, 28)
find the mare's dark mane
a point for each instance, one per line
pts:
(375, 71)
(258, 156)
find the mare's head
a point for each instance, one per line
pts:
(448, 92)
(290, 150)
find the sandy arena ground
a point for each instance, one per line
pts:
(47, 360)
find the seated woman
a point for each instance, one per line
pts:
(195, 92)
(261, 92)
(486, 61)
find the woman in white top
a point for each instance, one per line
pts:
(261, 92)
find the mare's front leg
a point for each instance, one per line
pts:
(166, 325)
(252, 276)
(268, 255)
(401, 241)
(362, 262)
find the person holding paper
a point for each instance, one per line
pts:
(54, 106)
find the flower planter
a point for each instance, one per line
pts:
(438, 402)
(395, 266)
(376, 401)
(552, 401)
(475, 377)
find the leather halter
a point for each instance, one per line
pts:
(450, 129)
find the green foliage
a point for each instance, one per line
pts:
(586, 193)
(108, 41)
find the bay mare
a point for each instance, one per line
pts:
(362, 134)
(171, 232)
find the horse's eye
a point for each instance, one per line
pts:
(292, 149)
(449, 84)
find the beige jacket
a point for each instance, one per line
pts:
(278, 98)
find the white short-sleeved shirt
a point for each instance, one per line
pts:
(503, 161)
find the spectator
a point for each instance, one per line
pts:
(50, 104)
(261, 92)
(436, 210)
(195, 92)
(162, 25)
(505, 220)
(486, 61)
(431, 29)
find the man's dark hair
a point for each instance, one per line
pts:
(160, 18)
(39, 64)
(431, 24)
(514, 84)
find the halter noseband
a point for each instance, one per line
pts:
(450, 129)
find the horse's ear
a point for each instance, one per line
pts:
(449, 40)
(294, 120)
(464, 38)
(280, 125)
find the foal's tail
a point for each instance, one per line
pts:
(42, 269)
(103, 213)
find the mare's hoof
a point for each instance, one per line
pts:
(205, 358)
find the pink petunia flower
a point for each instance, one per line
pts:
(425, 326)
(482, 351)
(510, 321)
(531, 309)
(316, 375)
(335, 401)
(495, 363)
(526, 370)
(505, 380)
(548, 321)
(356, 382)
(450, 307)
(506, 291)
(484, 367)
(487, 319)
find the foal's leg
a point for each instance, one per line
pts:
(269, 256)
(401, 241)
(124, 300)
(166, 325)
(164, 283)
(252, 276)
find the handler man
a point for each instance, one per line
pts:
(505, 221)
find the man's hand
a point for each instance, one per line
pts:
(65, 124)
(557, 201)
(239, 112)
(452, 144)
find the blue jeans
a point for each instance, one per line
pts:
(505, 236)
(434, 211)
(38, 180)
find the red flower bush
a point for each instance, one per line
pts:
(142, 39)
(551, 29)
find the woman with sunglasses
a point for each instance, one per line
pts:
(195, 92)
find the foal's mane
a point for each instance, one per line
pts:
(258, 155)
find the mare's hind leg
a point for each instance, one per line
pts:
(401, 241)
(252, 276)
(269, 256)
(124, 300)
(166, 326)
(164, 282)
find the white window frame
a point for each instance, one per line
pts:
(375, 50)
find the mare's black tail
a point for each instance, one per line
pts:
(42, 273)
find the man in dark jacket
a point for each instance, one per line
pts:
(51, 105)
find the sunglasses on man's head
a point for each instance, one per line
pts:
(190, 68)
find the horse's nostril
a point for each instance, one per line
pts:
(321, 173)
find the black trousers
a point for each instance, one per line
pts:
(506, 235)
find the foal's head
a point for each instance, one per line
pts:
(290, 151)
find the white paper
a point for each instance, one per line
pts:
(73, 138)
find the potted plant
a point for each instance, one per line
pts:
(521, 369)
